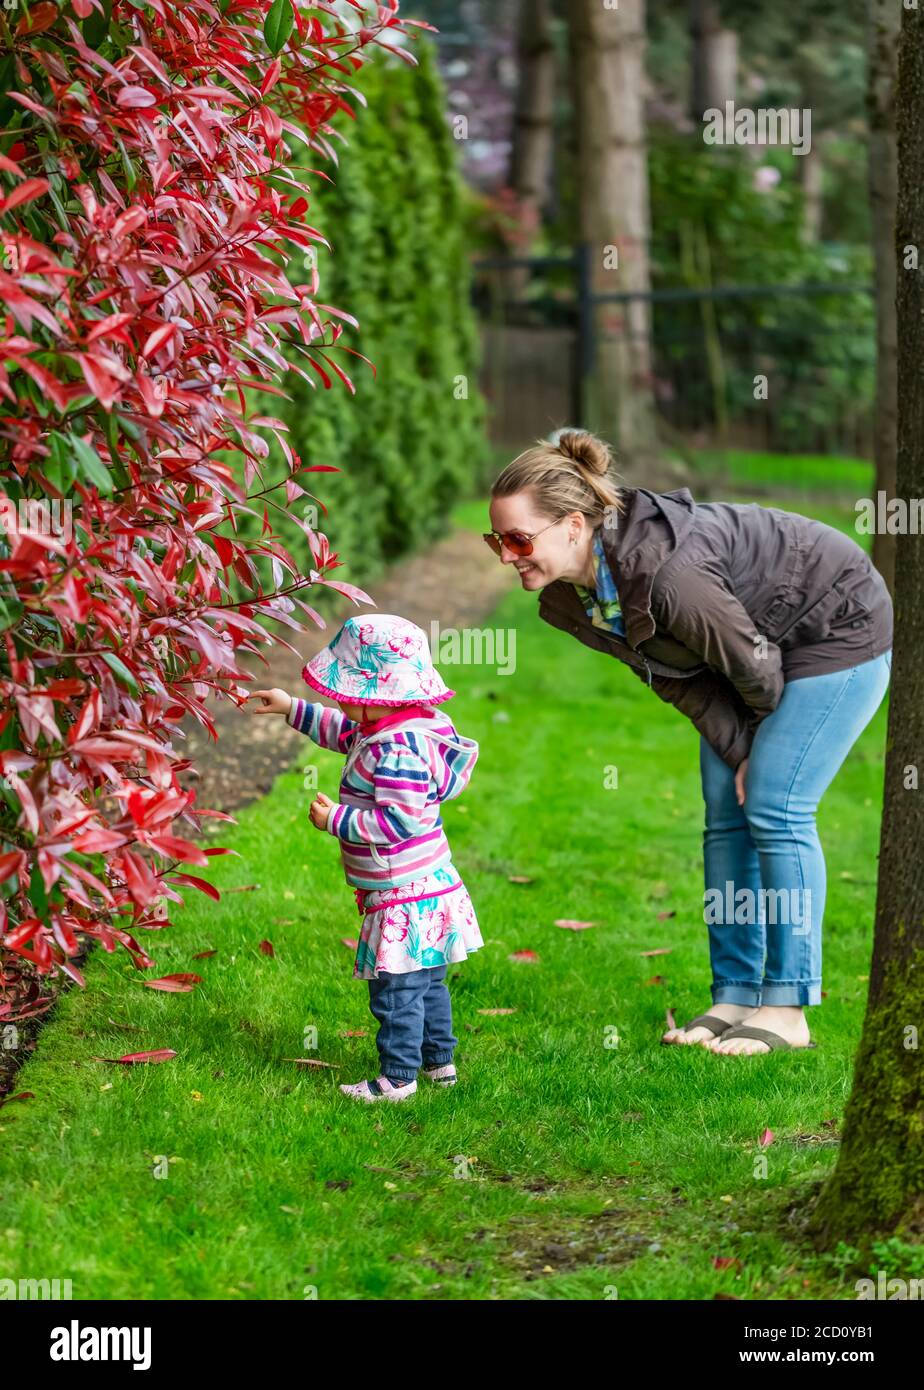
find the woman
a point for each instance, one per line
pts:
(772, 633)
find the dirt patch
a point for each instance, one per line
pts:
(457, 583)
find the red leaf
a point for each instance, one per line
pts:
(200, 883)
(766, 1139)
(527, 957)
(158, 338)
(725, 1262)
(20, 1095)
(267, 948)
(174, 984)
(136, 97)
(24, 193)
(11, 863)
(39, 18)
(162, 1054)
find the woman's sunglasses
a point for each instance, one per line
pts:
(517, 542)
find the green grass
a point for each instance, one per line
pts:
(812, 474)
(559, 1168)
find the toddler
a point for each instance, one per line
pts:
(403, 760)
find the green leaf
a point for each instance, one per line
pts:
(96, 27)
(61, 468)
(37, 895)
(91, 465)
(11, 610)
(121, 672)
(278, 25)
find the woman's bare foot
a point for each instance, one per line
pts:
(732, 1013)
(787, 1022)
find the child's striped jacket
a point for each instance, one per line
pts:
(388, 821)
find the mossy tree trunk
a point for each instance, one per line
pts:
(878, 1184)
(884, 25)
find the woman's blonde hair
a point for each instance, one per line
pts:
(572, 471)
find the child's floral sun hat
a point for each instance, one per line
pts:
(378, 660)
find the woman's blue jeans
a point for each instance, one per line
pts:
(764, 865)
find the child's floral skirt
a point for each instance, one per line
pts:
(430, 921)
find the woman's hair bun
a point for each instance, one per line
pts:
(585, 449)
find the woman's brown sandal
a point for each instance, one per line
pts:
(773, 1040)
(716, 1025)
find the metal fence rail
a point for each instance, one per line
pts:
(709, 345)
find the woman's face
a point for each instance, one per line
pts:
(554, 555)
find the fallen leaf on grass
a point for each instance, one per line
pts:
(725, 1262)
(355, 1033)
(663, 916)
(496, 1013)
(661, 951)
(174, 984)
(518, 878)
(204, 955)
(311, 1062)
(160, 1054)
(526, 957)
(655, 980)
(284, 921)
(569, 924)
(20, 1095)
(766, 1139)
(244, 888)
(267, 948)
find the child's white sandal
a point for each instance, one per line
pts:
(441, 1076)
(380, 1089)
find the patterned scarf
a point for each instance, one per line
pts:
(602, 602)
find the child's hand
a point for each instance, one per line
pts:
(274, 702)
(320, 811)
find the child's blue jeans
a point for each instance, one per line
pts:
(765, 868)
(415, 1021)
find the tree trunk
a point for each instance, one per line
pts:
(534, 119)
(714, 67)
(608, 48)
(878, 1184)
(883, 32)
(813, 169)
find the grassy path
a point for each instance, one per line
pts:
(563, 1167)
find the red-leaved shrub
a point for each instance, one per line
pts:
(149, 207)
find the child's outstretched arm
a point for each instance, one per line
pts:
(329, 728)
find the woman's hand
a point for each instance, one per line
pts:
(740, 777)
(274, 702)
(320, 811)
